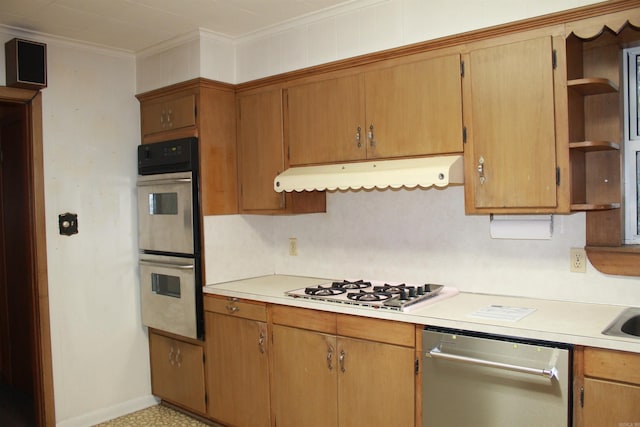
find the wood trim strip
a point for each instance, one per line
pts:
(619, 260)
(194, 84)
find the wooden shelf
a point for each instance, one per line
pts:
(594, 145)
(592, 86)
(620, 260)
(594, 206)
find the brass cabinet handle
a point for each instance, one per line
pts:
(261, 342)
(169, 121)
(232, 308)
(179, 358)
(481, 170)
(372, 141)
(330, 358)
(342, 357)
(358, 136)
(172, 359)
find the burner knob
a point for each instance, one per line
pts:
(420, 290)
(412, 292)
(403, 295)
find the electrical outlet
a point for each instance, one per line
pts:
(578, 260)
(293, 246)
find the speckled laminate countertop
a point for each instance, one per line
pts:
(568, 322)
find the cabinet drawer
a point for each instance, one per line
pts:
(613, 365)
(168, 114)
(386, 331)
(304, 318)
(233, 306)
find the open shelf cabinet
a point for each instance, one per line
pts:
(596, 135)
(594, 124)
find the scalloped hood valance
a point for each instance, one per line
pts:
(422, 172)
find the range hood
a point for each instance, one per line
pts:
(408, 173)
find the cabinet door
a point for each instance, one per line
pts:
(607, 403)
(305, 364)
(159, 116)
(415, 108)
(177, 372)
(323, 121)
(260, 149)
(375, 384)
(510, 158)
(237, 370)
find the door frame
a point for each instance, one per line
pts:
(43, 371)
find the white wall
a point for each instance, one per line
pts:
(90, 134)
(371, 25)
(199, 54)
(423, 236)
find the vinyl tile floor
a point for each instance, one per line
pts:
(157, 416)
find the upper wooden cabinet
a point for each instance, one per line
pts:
(168, 114)
(325, 121)
(511, 154)
(204, 109)
(415, 109)
(409, 109)
(261, 158)
(260, 150)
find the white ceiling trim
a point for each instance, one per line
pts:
(308, 19)
(198, 34)
(273, 29)
(51, 39)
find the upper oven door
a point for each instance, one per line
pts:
(165, 213)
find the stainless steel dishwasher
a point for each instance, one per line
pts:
(481, 380)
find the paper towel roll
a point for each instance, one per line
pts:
(525, 227)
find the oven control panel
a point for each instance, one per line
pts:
(168, 156)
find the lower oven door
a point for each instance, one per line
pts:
(169, 294)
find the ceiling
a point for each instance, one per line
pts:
(133, 25)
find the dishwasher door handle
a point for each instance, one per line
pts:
(436, 353)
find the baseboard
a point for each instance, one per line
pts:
(106, 414)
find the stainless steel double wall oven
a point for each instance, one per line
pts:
(169, 237)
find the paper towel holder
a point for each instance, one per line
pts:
(521, 227)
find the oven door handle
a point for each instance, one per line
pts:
(164, 182)
(167, 265)
(436, 353)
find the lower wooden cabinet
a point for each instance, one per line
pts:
(323, 378)
(237, 362)
(305, 369)
(607, 388)
(177, 372)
